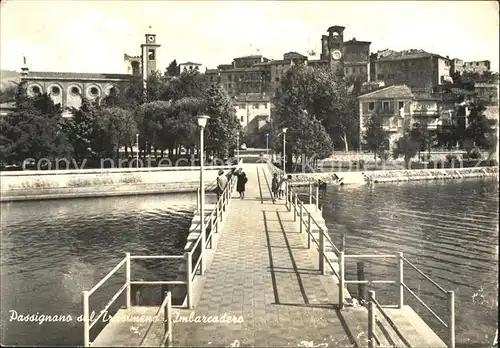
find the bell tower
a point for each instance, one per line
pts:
(149, 55)
(335, 49)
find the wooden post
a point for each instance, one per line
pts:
(301, 220)
(401, 281)
(310, 193)
(168, 318)
(322, 251)
(309, 230)
(189, 264)
(127, 275)
(341, 280)
(451, 319)
(361, 276)
(371, 319)
(86, 323)
(317, 198)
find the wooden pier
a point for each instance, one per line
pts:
(272, 277)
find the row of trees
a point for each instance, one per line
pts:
(319, 111)
(164, 116)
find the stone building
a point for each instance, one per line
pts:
(479, 67)
(350, 59)
(415, 68)
(190, 66)
(252, 110)
(400, 107)
(67, 88)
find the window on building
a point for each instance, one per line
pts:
(229, 85)
(242, 106)
(265, 106)
(491, 98)
(151, 54)
(197, 68)
(229, 77)
(277, 79)
(211, 78)
(380, 76)
(371, 106)
(401, 104)
(190, 67)
(256, 106)
(385, 106)
(242, 119)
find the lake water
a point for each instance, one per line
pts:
(53, 250)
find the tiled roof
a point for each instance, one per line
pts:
(75, 75)
(212, 71)
(247, 57)
(391, 92)
(353, 41)
(190, 63)
(409, 54)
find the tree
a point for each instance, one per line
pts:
(375, 137)
(223, 126)
(407, 145)
(480, 129)
(120, 127)
(8, 94)
(172, 69)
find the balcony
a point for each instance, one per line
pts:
(425, 113)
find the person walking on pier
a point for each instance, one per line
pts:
(275, 185)
(282, 187)
(221, 184)
(240, 184)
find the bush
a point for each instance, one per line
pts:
(451, 158)
(361, 164)
(475, 154)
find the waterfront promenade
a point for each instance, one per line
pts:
(263, 275)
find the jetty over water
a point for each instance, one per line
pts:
(270, 276)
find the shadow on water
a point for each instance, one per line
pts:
(53, 250)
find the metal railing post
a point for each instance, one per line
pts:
(322, 251)
(127, 275)
(168, 318)
(301, 219)
(309, 230)
(310, 193)
(341, 280)
(211, 229)
(401, 281)
(451, 319)
(217, 217)
(342, 242)
(198, 199)
(371, 319)
(189, 264)
(295, 207)
(86, 323)
(289, 198)
(317, 198)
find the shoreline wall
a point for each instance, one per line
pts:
(378, 176)
(61, 184)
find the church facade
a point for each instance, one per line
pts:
(68, 88)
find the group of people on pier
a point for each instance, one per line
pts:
(223, 179)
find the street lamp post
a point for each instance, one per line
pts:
(238, 147)
(202, 122)
(267, 145)
(284, 152)
(137, 152)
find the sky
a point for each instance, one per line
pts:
(92, 36)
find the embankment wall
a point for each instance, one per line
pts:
(52, 184)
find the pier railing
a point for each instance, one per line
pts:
(336, 257)
(192, 266)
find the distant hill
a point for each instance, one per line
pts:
(9, 78)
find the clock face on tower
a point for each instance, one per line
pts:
(151, 38)
(336, 55)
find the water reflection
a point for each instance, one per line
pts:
(448, 229)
